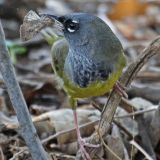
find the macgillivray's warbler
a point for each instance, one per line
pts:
(89, 60)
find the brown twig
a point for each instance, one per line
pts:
(127, 105)
(126, 79)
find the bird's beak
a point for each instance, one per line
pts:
(50, 16)
(58, 26)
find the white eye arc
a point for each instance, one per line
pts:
(72, 26)
(70, 30)
(74, 21)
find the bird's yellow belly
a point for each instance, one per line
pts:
(95, 89)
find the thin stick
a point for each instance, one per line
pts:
(18, 153)
(67, 131)
(154, 108)
(27, 128)
(127, 105)
(134, 143)
(110, 150)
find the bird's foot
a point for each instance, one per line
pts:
(82, 145)
(121, 89)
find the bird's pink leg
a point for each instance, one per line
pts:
(81, 142)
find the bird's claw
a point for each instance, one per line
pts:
(121, 90)
(83, 144)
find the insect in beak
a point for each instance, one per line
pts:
(57, 23)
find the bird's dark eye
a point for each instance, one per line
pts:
(71, 25)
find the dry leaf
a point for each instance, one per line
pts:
(33, 24)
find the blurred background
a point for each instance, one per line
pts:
(136, 23)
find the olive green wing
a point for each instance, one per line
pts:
(59, 52)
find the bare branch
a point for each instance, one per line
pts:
(27, 128)
(114, 99)
(126, 79)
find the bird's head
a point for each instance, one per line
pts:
(80, 28)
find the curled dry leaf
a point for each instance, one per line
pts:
(33, 24)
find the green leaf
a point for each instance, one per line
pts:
(15, 49)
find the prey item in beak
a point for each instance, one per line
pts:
(50, 16)
(33, 24)
(58, 25)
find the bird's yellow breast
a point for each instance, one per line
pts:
(96, 88)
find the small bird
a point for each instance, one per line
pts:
(89, 60)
